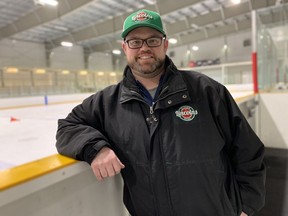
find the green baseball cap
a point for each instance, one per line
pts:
(142, 18)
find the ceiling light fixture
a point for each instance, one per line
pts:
(116, 52)
(46, 2)
(65, 72)
(195, 48)
(83, 73)
(40, 71)
(150, 2)
(236, 1)
(58, 27)
(66, 44)
(173, 40)
(112, 74)
(11, 70)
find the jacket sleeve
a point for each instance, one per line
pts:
(246, 153)
(81, 135)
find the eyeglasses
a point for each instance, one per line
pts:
(151, 42)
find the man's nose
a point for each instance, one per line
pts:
(145, 45)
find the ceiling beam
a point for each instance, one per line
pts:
(202, 20)
(41, 16)
(46, 14)
(224, 30)
(203, 34)
(209, 18)
(213, 17)
(115, 24)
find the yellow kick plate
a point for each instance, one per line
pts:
(34, 169)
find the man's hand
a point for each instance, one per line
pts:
(243, 214)
(106, 164)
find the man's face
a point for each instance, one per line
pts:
(145, 60)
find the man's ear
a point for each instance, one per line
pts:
(124, 47)
(166, 44)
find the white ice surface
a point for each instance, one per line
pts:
(33, 136)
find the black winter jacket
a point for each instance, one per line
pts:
(190, 154)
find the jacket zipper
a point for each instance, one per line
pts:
(165, 174)
(151, 111)
(153, 118)
(164, 165)
(162, 150)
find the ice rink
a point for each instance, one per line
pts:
(28, 133)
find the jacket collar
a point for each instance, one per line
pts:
(172, 82)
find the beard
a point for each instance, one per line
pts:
(147, 70)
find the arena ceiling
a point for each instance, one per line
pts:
(96, 25)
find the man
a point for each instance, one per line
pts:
(178, 138)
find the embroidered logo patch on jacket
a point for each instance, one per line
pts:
(186, 113)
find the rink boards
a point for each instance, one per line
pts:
(27, 148)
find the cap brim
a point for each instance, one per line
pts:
(124, 33)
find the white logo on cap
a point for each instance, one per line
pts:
(141, 16)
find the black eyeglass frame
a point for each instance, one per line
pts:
(145, 40)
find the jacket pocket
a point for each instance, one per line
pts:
(227, 206)
(198, 187)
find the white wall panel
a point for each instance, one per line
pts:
(22, 54)
(71, 58)
(273, 119)
(100, 62)
(71, 191)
